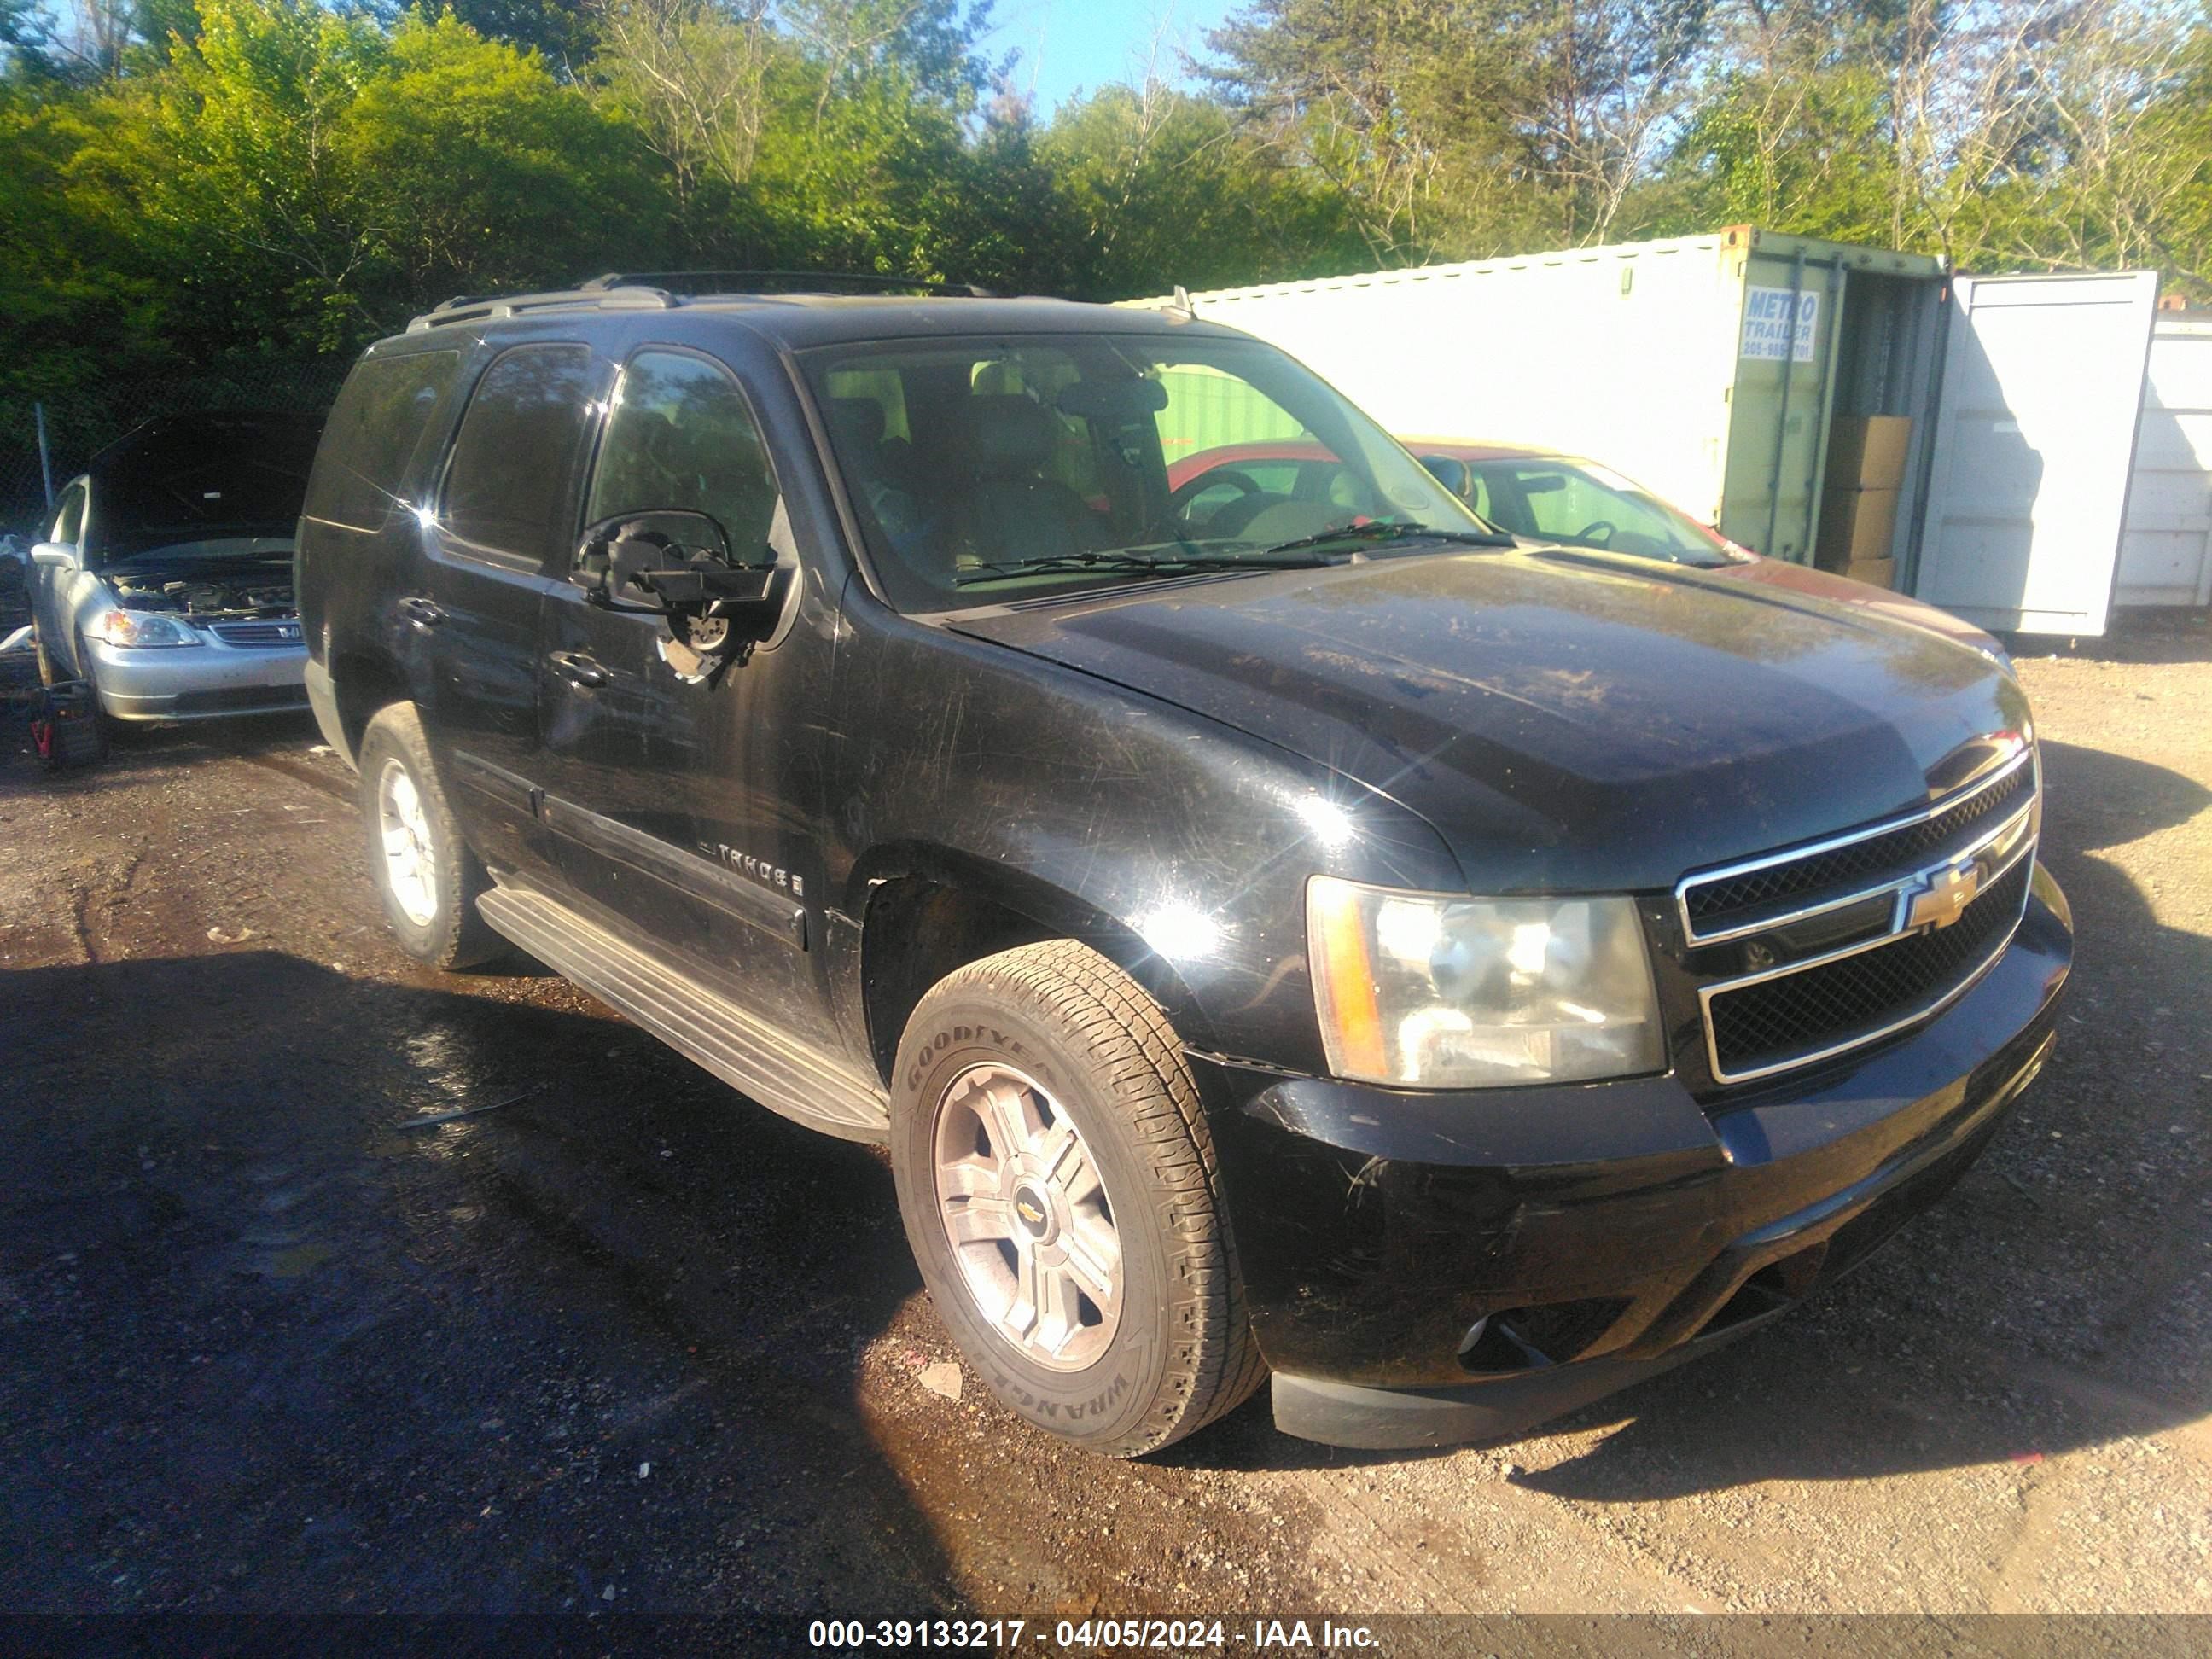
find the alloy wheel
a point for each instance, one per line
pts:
(1021, 1201)
(410, 864)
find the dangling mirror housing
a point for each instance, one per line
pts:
(675, 563)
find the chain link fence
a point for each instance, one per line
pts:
(78, 425)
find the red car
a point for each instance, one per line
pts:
(1565, 500)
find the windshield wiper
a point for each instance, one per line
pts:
(1376, 531)
(1133, 563)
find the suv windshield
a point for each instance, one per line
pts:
(984, 470)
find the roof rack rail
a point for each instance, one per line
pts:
(687, 281)
(491, 307)
(662, 290)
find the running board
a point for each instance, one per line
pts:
(704, 1026)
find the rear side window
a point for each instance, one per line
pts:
(507, 488)
(682, 436)
(372, 435)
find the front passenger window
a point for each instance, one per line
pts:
(682, 437)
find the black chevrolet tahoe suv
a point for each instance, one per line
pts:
(1275, 925)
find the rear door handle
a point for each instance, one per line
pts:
(421, 612)
(577, 668)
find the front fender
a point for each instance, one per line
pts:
(62, 602)
(1056, 911)
(1179, 847)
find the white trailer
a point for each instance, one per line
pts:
(2166, 550)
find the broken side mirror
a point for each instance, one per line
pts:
(617, 557)
(676, 564)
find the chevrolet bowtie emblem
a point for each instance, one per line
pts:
(1941, 897)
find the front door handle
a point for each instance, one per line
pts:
(577, 668)
(421, 612)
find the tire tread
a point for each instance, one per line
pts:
(1125, 1034)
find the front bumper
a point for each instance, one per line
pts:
(209, 681)
(1600, 1233)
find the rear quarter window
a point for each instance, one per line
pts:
(373, 434)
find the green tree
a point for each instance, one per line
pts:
(2177, 133)
(1459, 128)
(2006, 135)
(691, 78)
(560, 30)
(1005, 216)
(297, 179)
(222, 176)
(1171, 188)
(1805, 151)
(476, 171)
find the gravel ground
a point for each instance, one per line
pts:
(628, 1342)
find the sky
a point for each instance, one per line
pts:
(1078, 45)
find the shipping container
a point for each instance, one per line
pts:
(1710, 368)
(2028, 484)
(2166, 550)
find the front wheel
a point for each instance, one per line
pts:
(423, 870)
(1058, 1185)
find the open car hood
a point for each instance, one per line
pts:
(206, 477)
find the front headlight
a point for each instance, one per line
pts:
(1432, 992)
(140, 630)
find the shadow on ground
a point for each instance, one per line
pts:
(262, 1347)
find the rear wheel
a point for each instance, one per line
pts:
(423, 870)
(1057, 1181)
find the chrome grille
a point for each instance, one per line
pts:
(1816, 951)
(1727, 904)
(257, 633)
(1784, 1022)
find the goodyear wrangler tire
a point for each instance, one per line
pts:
(1057, 1182)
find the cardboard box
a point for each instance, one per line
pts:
(1878, 573)
(1867, 451)
(1855, 524)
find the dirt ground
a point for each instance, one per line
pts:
(628, 1342)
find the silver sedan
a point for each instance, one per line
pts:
(165, 576)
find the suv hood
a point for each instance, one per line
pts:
(191, 479)
(1568, 722)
